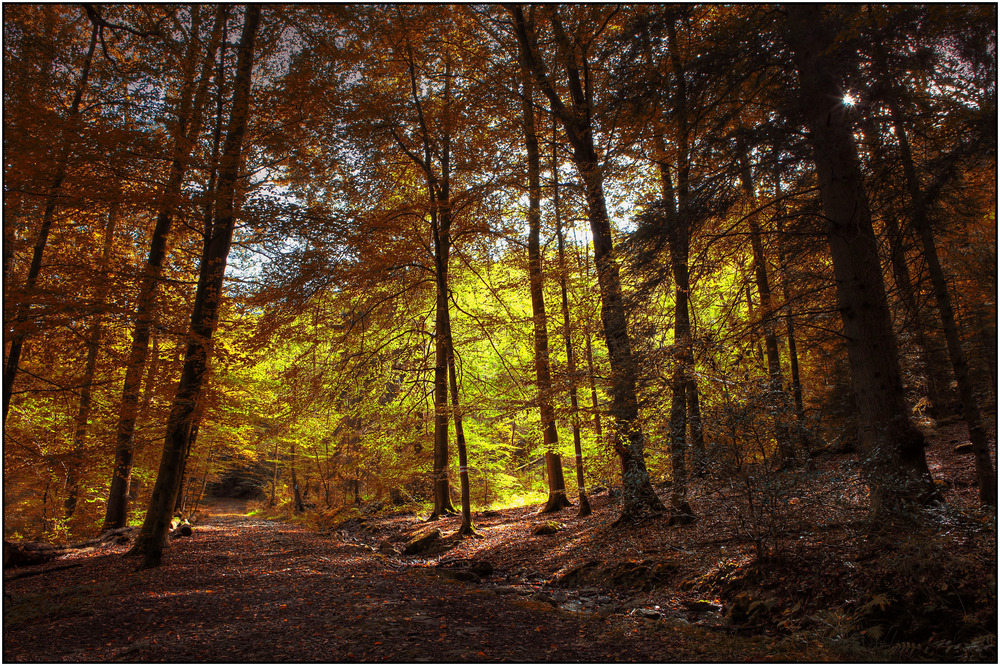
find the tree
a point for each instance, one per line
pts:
(553, 461)
(919, 207)
(893, 449)
(185, 134)
(639, 498)
(204, 317)
(67, 138)
(572, 373)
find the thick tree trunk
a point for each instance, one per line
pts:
(204, 318)
(90, 367)
(574, 403)
(557, 499)
(19, 334)
(638, 496)
(188, 127)
(893, 456)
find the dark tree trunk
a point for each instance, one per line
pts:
(207, 300)
(793, 354)
(557, 499)
(467, 528)
(19, 334)
(892, 450)
(912, 320)
(985, 470)
(300, 506)
(776, 393)
(90, 367)
(188, 127)
(638, 496)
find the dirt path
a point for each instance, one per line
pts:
(244, 589)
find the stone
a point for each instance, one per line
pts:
(548, 527)
(422, 541)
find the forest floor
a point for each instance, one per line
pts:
(826, 586)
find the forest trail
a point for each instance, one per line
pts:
(245, 589)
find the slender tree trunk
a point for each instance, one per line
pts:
(204, 318)
(751, 313)
(300, 507)
(553, 461)
(583, 265)
(912, 320)
(985, 470)
(90, 367)
(19, 334)
(574, 404)
(892, 450)
(678, 234)
(793, 354)
(467, 528)
(188, 127)
(776, 393)
(638, 496)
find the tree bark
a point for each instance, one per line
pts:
(204, 318)
(892, 450)
(185, 135)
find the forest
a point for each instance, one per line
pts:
(686, 307)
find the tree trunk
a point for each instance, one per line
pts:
(892, 450)
(19, 334)
(985, 470)
(775, 392)
(557, 499)
(912, 320)
(638, 496)
(467, 528)
(793, 354)
(186, 133)
(574, 404)
(87, 385)
(300, 506)
(208, 297)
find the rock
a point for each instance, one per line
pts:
(463, 575)
(647, 613)
(632, 575)
(738, 611)
(548, 527)
(964, 447)
(422, 541)
(467, 570)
